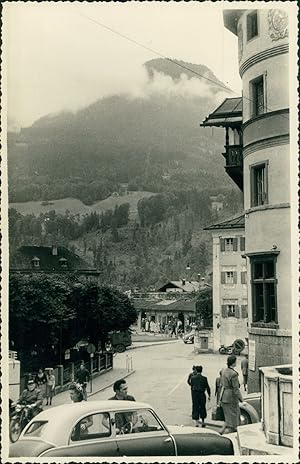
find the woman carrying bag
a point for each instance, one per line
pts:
(230, 396)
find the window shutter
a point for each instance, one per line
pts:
(235, 277)
(237, 311)
(235, 244)
(223, 280)
(224, 310)
(242, 243)
(243, 277)
(244, 311)
(222, 244)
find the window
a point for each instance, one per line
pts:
(92, 426)
(138, 421)
(228, 244)
(257, 95)
(230, 310)
(228, 277)
(263, 270)
(35, 429)
(252, 25)
(259, 187)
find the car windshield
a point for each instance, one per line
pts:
(35, 429)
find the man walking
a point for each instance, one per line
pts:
(244, 368)
(82, 377)
(199, 386)
(120, 388)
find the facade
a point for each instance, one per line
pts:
(257, 155)
(230, 306)
(183, 286)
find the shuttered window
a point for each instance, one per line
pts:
(235, 244)
(224, 310)
(243, 277)
(242, 243)
(223, 280)
(244, 309)
(222, 244)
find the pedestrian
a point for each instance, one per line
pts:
(147, 325)
(230, 396)
(41, 381)
(199, 386)
(76, 392)
(120, 388)
(244, 367)
(82, 378)
(173, 330)
(218, 387)
(81, 428)
(194, 372)
(50, 386)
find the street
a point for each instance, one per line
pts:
(160, 378)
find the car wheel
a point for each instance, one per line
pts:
(120, 348)
(245, 419)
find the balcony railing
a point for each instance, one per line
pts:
(234, 155)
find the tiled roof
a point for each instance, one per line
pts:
(170, 306)
(227, 114)
(188, 286)
(48, 260)
(233, 223)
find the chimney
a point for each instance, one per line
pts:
(54, 250)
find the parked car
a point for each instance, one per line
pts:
(119, 340)
(251, 409)
(189, 338)
(114, 428)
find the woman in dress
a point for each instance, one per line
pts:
(199, 386)
(50, 386)
(230, 396)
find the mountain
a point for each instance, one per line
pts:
(151, 141)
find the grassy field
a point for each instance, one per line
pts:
(77, 207)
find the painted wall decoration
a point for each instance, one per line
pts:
(278, 24)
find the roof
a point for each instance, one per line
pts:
(50, 259)
(229, 113)
(233, 223)
(230, 18)
(165, 305)
(61, 418)
(188, 286)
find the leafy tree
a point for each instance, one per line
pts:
(204, 308)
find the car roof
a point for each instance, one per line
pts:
(60, 419)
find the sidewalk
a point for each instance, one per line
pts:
(100, 383)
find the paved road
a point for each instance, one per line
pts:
(160, 378)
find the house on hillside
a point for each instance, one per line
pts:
(230, 310)
(183, 286)
(43, 259)
(258, 159)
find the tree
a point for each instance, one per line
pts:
(204, 308)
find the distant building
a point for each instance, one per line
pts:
(230, 306)
(182, 286)
(217, 202)
(43, 259)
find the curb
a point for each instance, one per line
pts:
(110, 384)
(150, 344)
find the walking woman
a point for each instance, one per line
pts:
(50, 386)
(230, 396)
(199, 386)
(40, 381)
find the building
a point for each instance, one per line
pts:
(257, 158)
(183, 286)
(230, 306)
(43, 259)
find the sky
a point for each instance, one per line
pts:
(59, 58)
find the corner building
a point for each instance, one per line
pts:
(265, 166)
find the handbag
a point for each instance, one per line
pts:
(218, 413)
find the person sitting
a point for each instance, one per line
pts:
(32, 396)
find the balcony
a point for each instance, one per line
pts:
(234, 163)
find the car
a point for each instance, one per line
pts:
(188, 338)
(250, 409)
(114, 428)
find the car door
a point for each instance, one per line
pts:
(90, 436)
(145, 437)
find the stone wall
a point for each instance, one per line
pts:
(272, 347)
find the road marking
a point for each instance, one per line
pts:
(178, 385)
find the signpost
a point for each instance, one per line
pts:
(91, 350)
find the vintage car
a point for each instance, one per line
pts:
(114, 428)
(250, 409)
